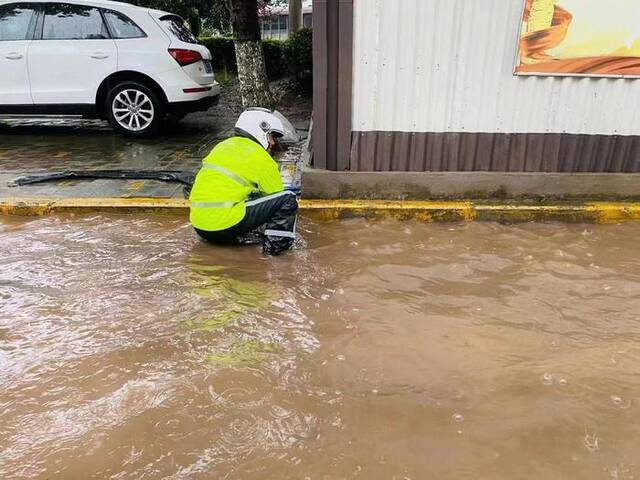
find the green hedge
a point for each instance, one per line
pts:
(224, 55)
(298, 52)
(274, 57)
(292, 57)
(223, 52)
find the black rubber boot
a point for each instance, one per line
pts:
(276, 245)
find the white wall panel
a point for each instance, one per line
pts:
(447, 66)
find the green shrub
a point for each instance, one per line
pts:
(293, 57)
(299, 56)
(224, 56)
(274, 57)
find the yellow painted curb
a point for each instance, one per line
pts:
(427, 211)
(596, 212)
(44, 206)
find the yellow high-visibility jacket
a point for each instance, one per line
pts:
(234, 170)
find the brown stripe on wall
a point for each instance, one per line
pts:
(494, 152)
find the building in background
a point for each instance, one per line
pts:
(455, 85)
(274, 20)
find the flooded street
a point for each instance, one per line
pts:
(376, 350)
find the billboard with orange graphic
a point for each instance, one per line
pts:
(580, 37)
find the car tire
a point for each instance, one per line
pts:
(134, 110)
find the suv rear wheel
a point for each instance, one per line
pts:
(134, 109)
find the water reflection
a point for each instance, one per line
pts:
(234, 298)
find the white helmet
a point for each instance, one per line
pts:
(258, 123)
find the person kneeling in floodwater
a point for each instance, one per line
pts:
(238, 190)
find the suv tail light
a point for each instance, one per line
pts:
(185, 57)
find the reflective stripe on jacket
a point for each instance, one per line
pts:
(234, 170)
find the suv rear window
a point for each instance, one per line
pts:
(63, 21)
(15, 21)
(178, 28)
(122, 26)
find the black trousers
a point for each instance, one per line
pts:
(277, 213)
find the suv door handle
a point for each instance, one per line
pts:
(99, 55)
(14, 56)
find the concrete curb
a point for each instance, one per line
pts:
(426, 211)
(490, 186)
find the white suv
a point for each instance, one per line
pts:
(133, 66)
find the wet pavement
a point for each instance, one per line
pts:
(28, 146)
(384, 350)
(33, 146)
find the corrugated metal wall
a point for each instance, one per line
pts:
(443, 70)
(494, 152)
(447, 66)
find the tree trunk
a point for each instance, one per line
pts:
(252, 72)
(295, 15)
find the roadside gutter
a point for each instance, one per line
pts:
(331, 210)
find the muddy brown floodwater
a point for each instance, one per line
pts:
(130, 350)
